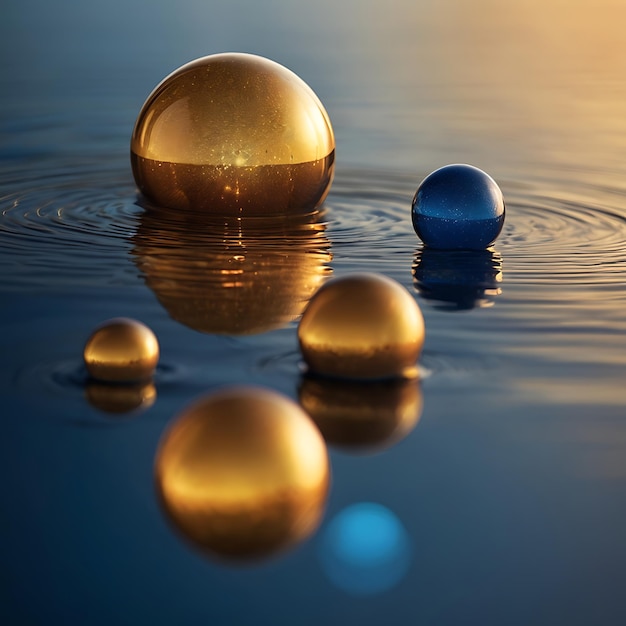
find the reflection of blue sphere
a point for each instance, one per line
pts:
(365, 549)
(458, 279)
(458, 207)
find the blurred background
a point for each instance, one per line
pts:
(408, 85)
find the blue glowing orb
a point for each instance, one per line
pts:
(365, 549)
(458, 207)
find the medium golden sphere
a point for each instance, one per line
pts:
(121, 350)
(233, 134)
(243, 473)
(362, 326)
(362, 416)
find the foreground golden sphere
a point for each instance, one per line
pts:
(121, 350)
(243, 473)
(362, 416)
(233, 134)
(362, 326)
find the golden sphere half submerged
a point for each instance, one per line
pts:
(121, 350)
(362, 326)
(243, 473)
(234, 134)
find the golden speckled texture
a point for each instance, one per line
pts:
(233, 133)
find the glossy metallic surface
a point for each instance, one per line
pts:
(362, 326)
(121, 350)
(234, 134)
(243, 473)
(458, 207)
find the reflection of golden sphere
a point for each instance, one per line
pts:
(233, 276)
(367, 416)
(121, 349)
(120, 399)
(234, 134)
(362, 326)
(243, 472)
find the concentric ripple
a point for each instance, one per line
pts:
(566, 237)
(574, 233)
(556, 275)
(370, 219)
(68, 232)
(83, 227)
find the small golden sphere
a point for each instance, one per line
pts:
(362, 416)
(233, 134)
(362, 326)
(243, 473)
(121, 350)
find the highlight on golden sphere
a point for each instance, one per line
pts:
(234, 134)
(232, 276)
(121, 350)
(243, 473)
(119, 399)
(365, 417)
(362, 326)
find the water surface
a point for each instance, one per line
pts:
(502, 473)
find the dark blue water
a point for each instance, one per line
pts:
(499, 497)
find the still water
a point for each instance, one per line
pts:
(491, 492)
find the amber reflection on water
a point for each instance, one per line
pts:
(243, 473)
(364, 417)
(232, 276)
(544, 75)
(234, 133)
(512, 87)
(573, 35)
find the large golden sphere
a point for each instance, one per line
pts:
(121, 350)
(243, 473)
(232, 276)
(234, 134)
(362, 326)
(362, 416)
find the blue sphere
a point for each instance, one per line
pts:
(458, 207)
